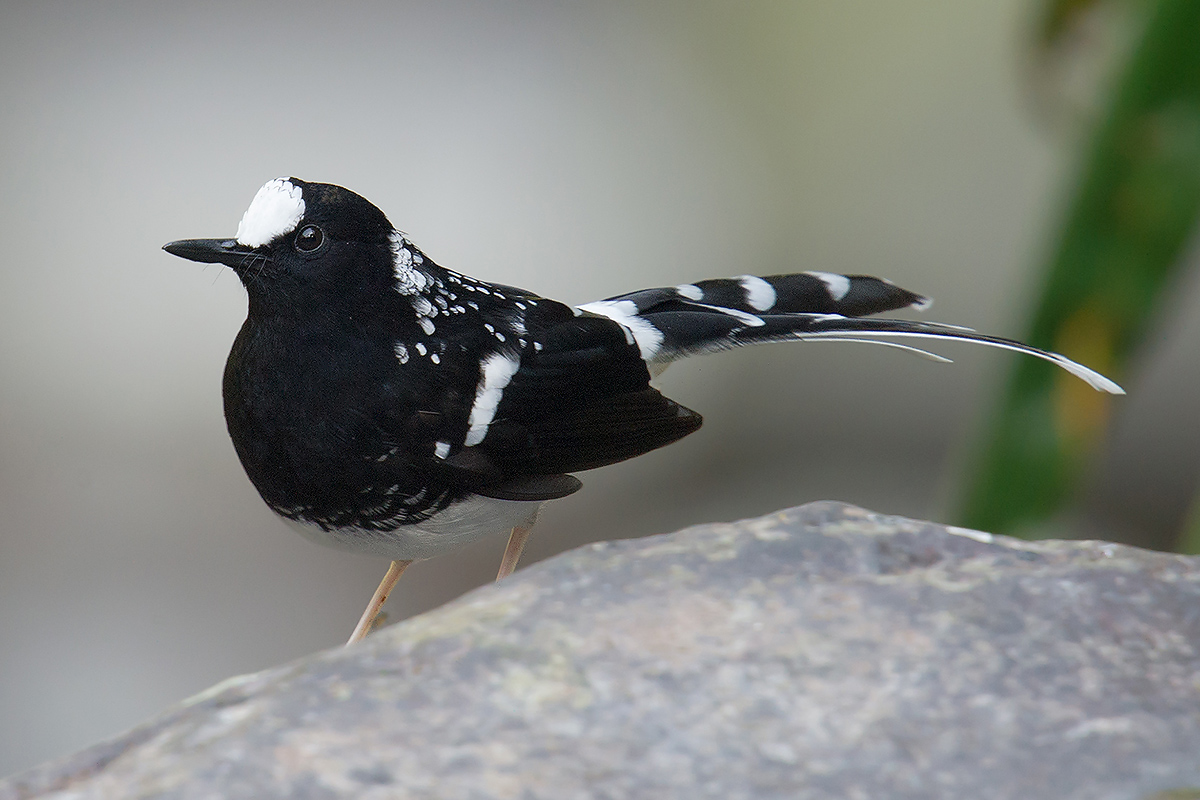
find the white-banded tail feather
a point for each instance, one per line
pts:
(711, 315)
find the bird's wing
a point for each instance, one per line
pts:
(581, 398)
(576, 396)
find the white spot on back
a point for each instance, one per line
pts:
(760, 295)
(441, 449)
(426, 325)
(276, 209)
(401, 352)
(649, 339)
(496, 371)
(837, 285)
(690, 290)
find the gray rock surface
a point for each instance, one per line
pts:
(820, 652)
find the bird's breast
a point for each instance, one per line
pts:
(317, 420)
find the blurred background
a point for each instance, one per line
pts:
(580, 150)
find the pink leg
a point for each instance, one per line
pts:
(512, 553)
(381, 595)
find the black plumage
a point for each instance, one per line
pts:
(387, 404)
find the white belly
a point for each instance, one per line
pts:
(457, 526)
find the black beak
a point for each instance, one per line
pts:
(213, 251)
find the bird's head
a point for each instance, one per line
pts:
(301, 243)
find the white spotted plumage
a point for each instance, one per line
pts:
(410, 279)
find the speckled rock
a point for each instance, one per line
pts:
(820, 652)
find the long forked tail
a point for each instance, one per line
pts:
(672, 323)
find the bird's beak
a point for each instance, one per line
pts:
(212, 251)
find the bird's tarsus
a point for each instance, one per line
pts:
(380, 597)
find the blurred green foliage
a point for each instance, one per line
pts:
(1189, 539)
(1132, 211)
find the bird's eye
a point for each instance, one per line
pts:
(309, 238)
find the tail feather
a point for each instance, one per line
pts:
(801, 293)
(706, 316)
(878, 331)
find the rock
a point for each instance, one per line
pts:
(820, 652)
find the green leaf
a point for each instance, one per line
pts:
(1119, 246)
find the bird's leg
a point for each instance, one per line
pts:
(512, 553)
(381, 595)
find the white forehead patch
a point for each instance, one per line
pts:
(276, 209)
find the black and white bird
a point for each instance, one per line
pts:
(387, 405)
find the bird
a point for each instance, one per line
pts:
(383, 404)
